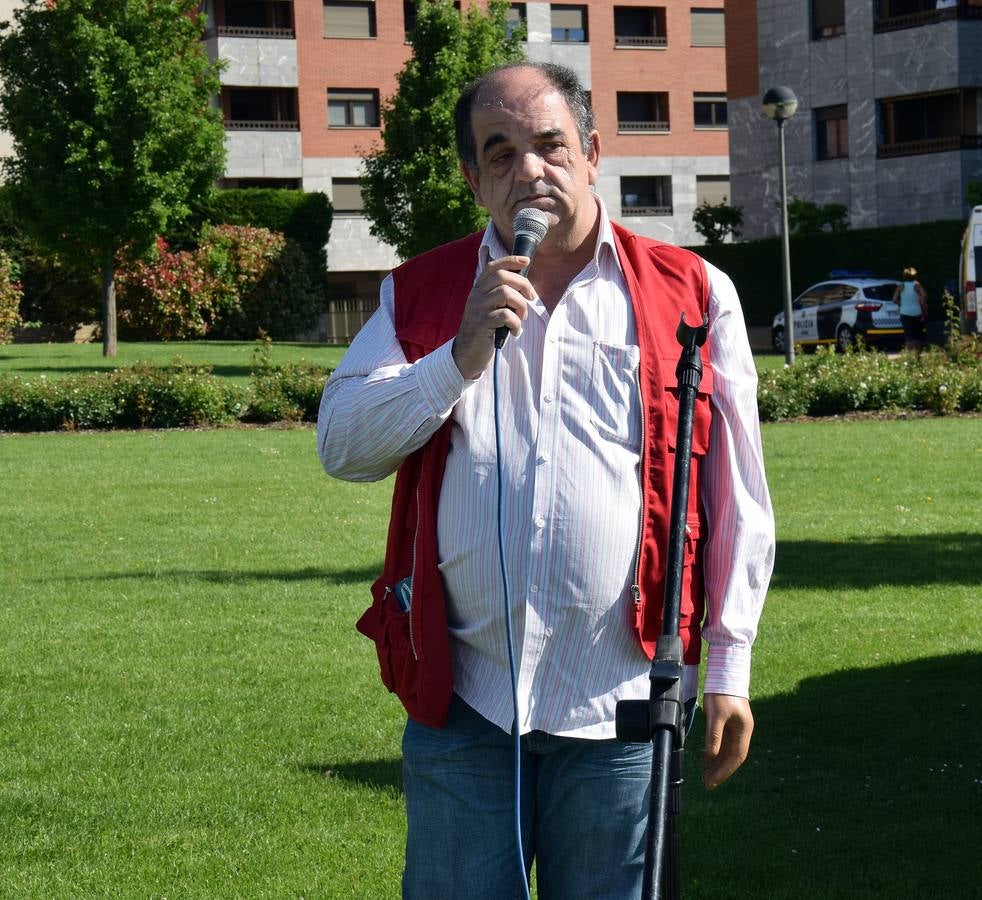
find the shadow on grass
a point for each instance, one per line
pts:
(224, 576)
(377, 774)
(885, 559)
(863, 783)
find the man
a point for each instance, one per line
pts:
(586, 428)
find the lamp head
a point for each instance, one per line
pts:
(780, 103)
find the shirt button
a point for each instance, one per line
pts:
(544, 458)
(540, 521)
(533, 589)
(547, 398)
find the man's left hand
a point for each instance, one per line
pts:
(729, 725)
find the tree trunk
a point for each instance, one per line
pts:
(108, 309)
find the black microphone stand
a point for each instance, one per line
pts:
(659, 719)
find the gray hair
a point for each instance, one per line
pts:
(564, 80)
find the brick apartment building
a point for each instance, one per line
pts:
(889, 121)
(304, 80)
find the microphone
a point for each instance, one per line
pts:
(530, 226)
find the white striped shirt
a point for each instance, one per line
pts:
(570, 442)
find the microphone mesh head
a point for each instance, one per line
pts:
(531, 221)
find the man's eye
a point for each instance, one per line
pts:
(501, 158)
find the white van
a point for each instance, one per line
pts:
(970, 263)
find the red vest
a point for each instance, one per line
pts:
(663, 281)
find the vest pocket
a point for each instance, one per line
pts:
(615, 408)
(388, 626)
(702, 411)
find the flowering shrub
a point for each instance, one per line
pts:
(10, 294)
(170, 297)
(272, 288)
(831, 384)
(238, 281)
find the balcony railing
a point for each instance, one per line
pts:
(646, 210)
(242, 32)
(927, 17)
(659, 41)
(259, 125)
(643, 126)
(932, 145)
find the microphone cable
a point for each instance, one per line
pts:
(515, 729)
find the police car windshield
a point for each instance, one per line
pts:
(880, 291)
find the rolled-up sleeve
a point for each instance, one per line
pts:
(377, 408)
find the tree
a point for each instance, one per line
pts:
(108, 104)
(717, 221)
(413, 192)
(973, 193)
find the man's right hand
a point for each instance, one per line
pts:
(500, 297)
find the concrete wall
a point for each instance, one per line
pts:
(255, 62)
(7, 8)
(262, 154)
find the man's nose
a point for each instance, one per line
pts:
(530, 166)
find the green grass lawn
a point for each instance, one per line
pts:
(186, 709)
(230, 359)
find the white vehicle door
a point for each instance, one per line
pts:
(804, 315)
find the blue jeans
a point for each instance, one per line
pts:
(584, 811)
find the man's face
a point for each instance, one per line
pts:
(529, 154)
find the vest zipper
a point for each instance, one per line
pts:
(412, 581)
(636, 587)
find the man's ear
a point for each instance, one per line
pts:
(473, 182)
(593, 157)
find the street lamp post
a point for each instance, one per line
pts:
(780, 104)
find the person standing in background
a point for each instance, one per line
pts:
(913, 309)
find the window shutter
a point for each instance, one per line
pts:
(707, 28)
(347, 195)
(712, 189)
(348, 20)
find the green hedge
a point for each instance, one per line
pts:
(828, 384)
(755, 266)
(303, 217)
(177, 396)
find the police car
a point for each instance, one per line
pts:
(842, 309)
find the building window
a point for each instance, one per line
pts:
(709, 110)
(831, 132)
(646, 195)
(350, 108)
(707, 28)
(265, 109)
(712, 189)
(256, 19)
(346, 196)
(893, 15)
(828, 18)
(349, 19)
(569, 24)
(640, 26)
(642, 111)
(929, 123)
(282, 184)
(515, 17)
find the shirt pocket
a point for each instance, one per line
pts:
(615, 402)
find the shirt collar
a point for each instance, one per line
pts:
(492, 247)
